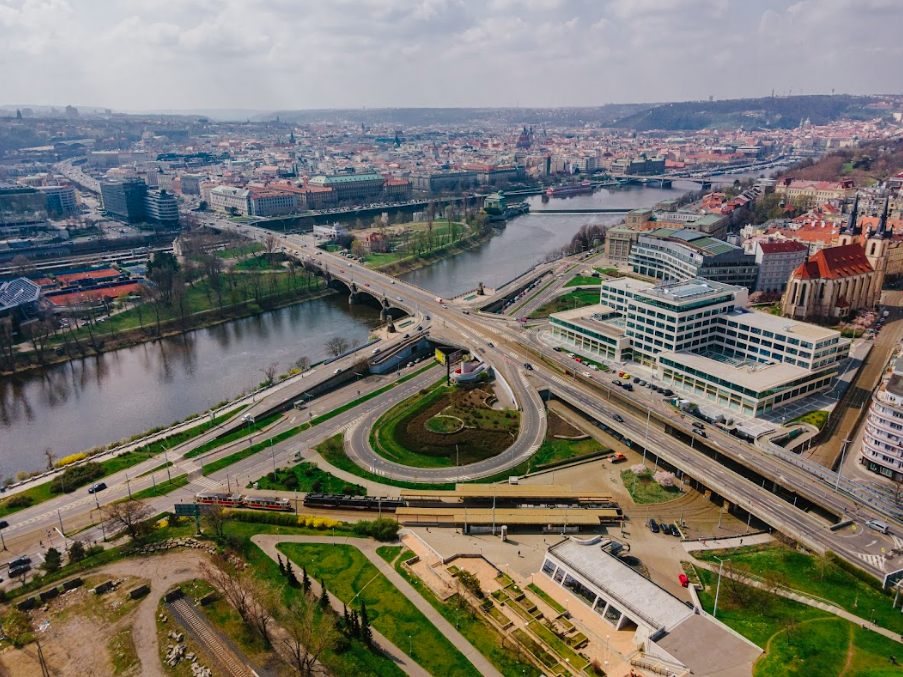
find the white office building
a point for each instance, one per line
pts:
(882, 441)
(700, 336)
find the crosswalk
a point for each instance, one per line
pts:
(208, 483)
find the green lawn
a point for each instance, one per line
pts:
(543, 595)
(647, 490)
(352, 578)
(262, 262)
(237, 434)
(389, 552)
(799, 640)
(307, 477)
(816, 418)
(163, 487)
(583, 281)
(816, 576)
(483, 636)
(574, 299)
(611, 272)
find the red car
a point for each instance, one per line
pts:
(684, 581)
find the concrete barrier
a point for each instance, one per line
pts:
(73, 583)
(49, 594)
(103, 587)
(140, 591)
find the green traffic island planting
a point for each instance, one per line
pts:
(161, 488)
(575, 299)
(350, 576)
(799, 639)
(814, 418)
(644, 488)
(308, 478)
(237, 434)
(443, 426)
(485, 637)
(826, 579)
(76, 476)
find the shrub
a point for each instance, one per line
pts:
(93, 550)
(18, 501)
(76, 476)
(639, 470)
(382, 529)
(281, 519)
(71, 458)
(77, 551)
(665, 479)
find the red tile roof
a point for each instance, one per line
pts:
(782, 247)
(835, 262)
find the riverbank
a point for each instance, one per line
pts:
(413, 263)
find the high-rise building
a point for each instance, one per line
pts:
(882, 440)
(161, 207)
(776, 261)
(60, 199)
(124, 198)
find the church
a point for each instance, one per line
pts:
(837, 281)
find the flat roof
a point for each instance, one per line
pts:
(575, 516)
(756, 376)
(627, 284)
(782, 325)
(641, 599)
(684, 290)
(507, 491)
(708, 648)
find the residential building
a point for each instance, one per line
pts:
(816, 191)
(351, 186)
(618, 243)
(267, 202)
(161, 207)
(61, 200)
(397, 189)
(124, 198)
(882, 440)
(699, 336)
(230, 199)
(776, 262)
(669, 254)
(668, 634)
(191, 183)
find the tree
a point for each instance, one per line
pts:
(23, 267)
(281, 564)
(271, 245)
(252, 598)
(290, 574)
(305, 581)
(303, 363)
(324, 597)
(129, 516)
(76, 551)
(337, 345)
(308, 635)
(214, 519)
(366, 634)
(52, 560)
(38, 334)
(161, 270)
(270, 372)
(358, 249)
(50, 456)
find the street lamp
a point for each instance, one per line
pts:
(843, 453)
(718, 587)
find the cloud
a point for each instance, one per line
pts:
(282, 54)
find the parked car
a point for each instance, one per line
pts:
(616, 382)
(3, 524)
(684, 581)
(653, 526)
(672, 528)
(617, 457)
(557, 349)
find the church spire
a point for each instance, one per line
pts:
(882, 222)
(853, 225)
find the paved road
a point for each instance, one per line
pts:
(268, 542)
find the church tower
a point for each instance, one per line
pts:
(851, 233)
(876, 248)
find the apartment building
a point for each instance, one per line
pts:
(161, 207)
(882, 441)
(776, 262)
(266, 202)
(228, 199)
(700, 337)
(669, 254)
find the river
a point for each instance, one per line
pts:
(84, 403)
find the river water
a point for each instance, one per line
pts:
(78, 405)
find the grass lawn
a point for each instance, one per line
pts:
(646, 489)
(574, 299)
(348, 574)
(484, 637)
(390, 552)
(611, 272)
(379, 259)
(816, 418)
(583, 281)
(333, 452)
(817, 576)
(442, 424)
(262, 262)
(543, 595)
(798, 639)
(307, 477)
(236, 434)
(162, 488)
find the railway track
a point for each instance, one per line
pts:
(229, 664)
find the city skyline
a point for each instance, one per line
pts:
(440, 53)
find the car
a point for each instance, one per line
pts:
(667, 392)
(674, 530)
(366, 284)
(406, 336)
(427, 318)
(653, 526)
(410, 364)
(393, 281)
(587, 374)
(377, 350)
(341, 270)
(337, 371)
(701, 433)
(571, 355)
(683, 580)
(697, 424)
(528, 366)
(617, 382)
(419, 327)
(618, 418)
(19, 571)
(3, 524)
(490, 344)
(617, 457)
(444, 306)
(97, 487)
(642, 382)
(878, 525)
(628, 386)
(594, 367)
(20, 561)
(636, 379)
(466, 312)
(577, 359)
(557, 349)
(399, 298)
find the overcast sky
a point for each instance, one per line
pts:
(292, 54)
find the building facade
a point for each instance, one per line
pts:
(351, 186)
(831, 284)
(815, 191)
(618, 243)
(776, 262)
(161, 207)
(124, 198)
(60, 199)
(272, 202)
(228, 199)
(668, 254)
(21, 206)
(882, 440)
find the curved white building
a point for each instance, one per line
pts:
(882, 440)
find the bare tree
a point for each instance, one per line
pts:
(129, 516)
(271, 245)
(271, 370)
(303, 363)
(7, 341)
(309, 634)
(23, 267)
(38, 334)
(50, 456)
(253, 599)
(337, 345)
(215, 519)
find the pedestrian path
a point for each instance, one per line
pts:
(268, 543)
(803, 598)
(725, 543)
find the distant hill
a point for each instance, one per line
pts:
(764, 113)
